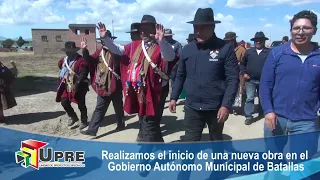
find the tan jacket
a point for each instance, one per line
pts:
(240, 50)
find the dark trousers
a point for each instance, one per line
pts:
(149, 130)
(102, 107)
(80, 96)
(163, 97)
(195, 121)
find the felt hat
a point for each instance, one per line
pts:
(230, 36)
(190, 37)
(168, 32)
(70, 46)
(204, 16)
(259, 35)
(134, 28)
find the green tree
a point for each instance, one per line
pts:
(20, 42)
(7, 43)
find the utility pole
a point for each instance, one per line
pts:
(112, 29)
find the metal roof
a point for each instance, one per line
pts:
(82, 26)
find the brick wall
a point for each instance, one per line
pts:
(48, 40)
(91, 37)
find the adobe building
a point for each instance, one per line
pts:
(77, 31)
(50, 41)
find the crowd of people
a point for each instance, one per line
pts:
(215, 76)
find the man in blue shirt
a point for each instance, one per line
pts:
(290, 83)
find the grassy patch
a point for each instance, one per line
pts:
(29, 64)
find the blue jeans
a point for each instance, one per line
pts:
(251, 87)
(286, 127)
(295, 143)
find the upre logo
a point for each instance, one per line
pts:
(35, 154)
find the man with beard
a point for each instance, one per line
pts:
(143, 74)
(105, 80)
(73, 83)
(289, 86)
(251, 67)
(135, 32)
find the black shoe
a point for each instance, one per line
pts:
(72, 121)
(83, 125)
(120, 127)
(248, 121)
(88, 133)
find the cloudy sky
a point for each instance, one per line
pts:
(245, 17)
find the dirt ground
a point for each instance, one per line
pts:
(37, 111)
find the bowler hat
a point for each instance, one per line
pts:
(190, 37)
(148, 19)
(70, 46)
(168, 32)
(259, 35)
(204, 16)
(108, 34)
(230, 36)
(134, 27)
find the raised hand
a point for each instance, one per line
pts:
(83, 43)
(102, 29)
(159, 32)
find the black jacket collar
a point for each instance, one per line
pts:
(212, 43)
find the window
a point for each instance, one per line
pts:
(77, 31)
(58, 39)
(44, 38)
(87, 31)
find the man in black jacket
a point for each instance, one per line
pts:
(251, 68)
(209, 71)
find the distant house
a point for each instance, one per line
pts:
(52, 40)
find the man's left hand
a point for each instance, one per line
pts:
(223, 114)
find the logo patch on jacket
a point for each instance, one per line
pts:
(213, 55)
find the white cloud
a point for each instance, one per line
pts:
(288, 17)
(251, 3)
(28, 12)
(174, 16)
(262, 19)
(268, 25)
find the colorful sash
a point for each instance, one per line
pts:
(104, 73)
(154, 66)
(138, 72)
(67, 74)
